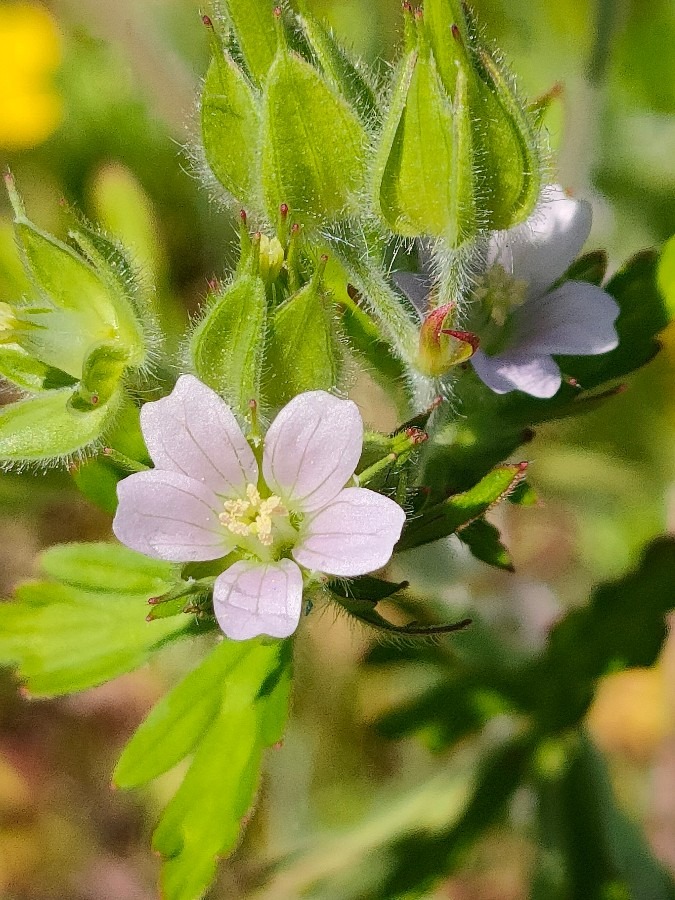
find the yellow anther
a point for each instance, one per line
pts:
(252, 517)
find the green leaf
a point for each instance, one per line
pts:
(107, 568)
(366, 588)
(460, 510)
(202, 821)
(314, 146)
(62, 639)
(97, 480)
(253, 23)
(666, 276)
(592, 268)
(484, 541)
(303, 353)
(45, 427)
(230, 126)
(365, 611)
(227, 345)
(177, 723)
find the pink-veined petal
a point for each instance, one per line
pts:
(354, 534)
(194, 432)
(250, 599)
(312, 449)
(542, 249)
(574, 319)
(169, 516)
(538, 376)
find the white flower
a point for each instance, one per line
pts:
(207, 497)
(537, 319)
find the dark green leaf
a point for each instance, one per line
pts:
(484, 541)
(364, 611)
(366, 588)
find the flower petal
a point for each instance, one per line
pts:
(250, 599)
(574, 319)
(312, 449)
(354, 534)
(194, 432)
(169, 516)
(542, 249)
(538, 376)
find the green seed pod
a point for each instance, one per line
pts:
(226, 348)
(230, 121)
(423, 176)
(303, 353)
(313, 147)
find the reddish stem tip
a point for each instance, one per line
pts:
(456, 33)
(419, 14)
(207, 21)
(523, 466)
(283, 209)
(94, 399)
(324, 258)
(253, 405)
(295, 229)
(243, 216)
(277, 12)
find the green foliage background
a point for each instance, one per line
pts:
(354, 804)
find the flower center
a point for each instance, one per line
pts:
(254, 517)
(498, 294)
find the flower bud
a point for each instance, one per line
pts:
(313, 144)
(458, 154)
(303, 351)
(271, 258)
(441, 347)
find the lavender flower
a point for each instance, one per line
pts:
(285, 520)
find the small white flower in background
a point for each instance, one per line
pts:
(531, 319)
(207, 496)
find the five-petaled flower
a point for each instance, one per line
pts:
(285, 520)
(530, 319)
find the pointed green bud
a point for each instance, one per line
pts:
(227, 346)
(343, 72)
(101, 374)
(303, 352)
(424, 182)
(78, 306)
(271, 258)
(507, 156)
(253, 25)
(314, 146)
(442, 347)
(230, 121)
(47, 428)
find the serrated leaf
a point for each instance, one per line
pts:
(484, 541)
(45, 427)
(202, 821)
(107, 568)
(227, 345)
(253, 23)
(63, 639)
(230, 127)
(177, 723)
(460, 510)
(314, 146)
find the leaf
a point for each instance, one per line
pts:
(202, 821)
(364, 611)
(230, 126)
(45, 427)
(366, 588)
(591, 268)
(484, 541)
(666, 276)
(62, 639)
(227, 345)
(177, 723)
(460, 510)
(314, 146)
(107, 568)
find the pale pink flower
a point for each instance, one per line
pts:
(287, 520)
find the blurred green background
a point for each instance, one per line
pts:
(98, 108)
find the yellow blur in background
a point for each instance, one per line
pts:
(30, 53)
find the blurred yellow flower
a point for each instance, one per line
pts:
(30, 51)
